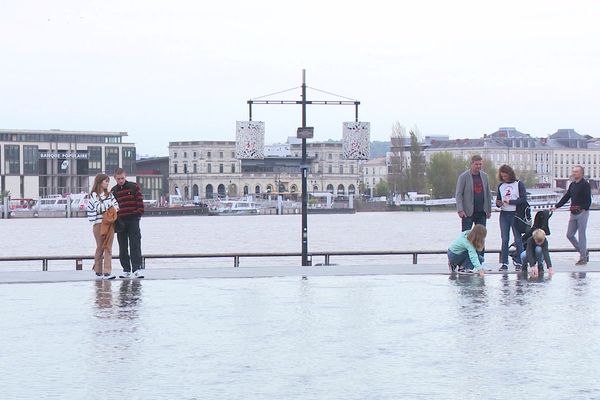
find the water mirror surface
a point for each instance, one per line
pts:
(392, 337)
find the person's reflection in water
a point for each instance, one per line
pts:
(130, 294)
(472, 288)
(579, 283)
(104, 298)
(524, 286)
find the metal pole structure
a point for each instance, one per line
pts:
(304, 132)
(304, 179)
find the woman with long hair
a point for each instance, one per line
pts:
(511, 193)
(102, 207)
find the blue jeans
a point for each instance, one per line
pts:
(477, 218)
(539, 256)
(462, 259)
(507, 219)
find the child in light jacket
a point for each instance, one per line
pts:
(463, 252)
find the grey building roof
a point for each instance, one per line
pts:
(566, 134)
(508, 133)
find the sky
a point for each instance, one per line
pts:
(184, 70)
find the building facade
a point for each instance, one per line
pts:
(153, 178)
(209, 169)
(550, 158)
(374, 171)
(39, 163)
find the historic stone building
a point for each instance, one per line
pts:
(208, 169)
(551, 158)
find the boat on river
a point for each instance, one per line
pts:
(234, 207)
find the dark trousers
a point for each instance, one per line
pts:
(130, 238)
(477, 218)
(468, 223)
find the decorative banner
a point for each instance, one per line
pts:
(356, 140)
(250, 140)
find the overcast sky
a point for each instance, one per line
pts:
(183, 70)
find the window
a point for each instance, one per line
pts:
(208, 154)
(12, 159)
(209, 168)
(220, 154)
(185, 168)
(94, 160)
(330, 168)
(185, 154)
(175, 168)
(341, 168)
(128, 154)
(352, 169)
(111, 159)
(195, 154)
(30, 159)
(195, 168)
(233, 168)
(330, 156)
(221, 168)
(233, 154)
(175, 154)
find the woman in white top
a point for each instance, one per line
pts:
(101, 200)
(511, 193)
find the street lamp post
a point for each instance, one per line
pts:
(304, 132)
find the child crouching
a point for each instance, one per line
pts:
(463, 252)
(536, 252)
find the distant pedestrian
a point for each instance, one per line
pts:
(511, 193)
(580, 194)
(131, 208)
(536, 253)
(463, 253)
(473, 196)
(102, 211)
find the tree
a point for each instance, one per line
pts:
(397, 160)
(417, 163)
(528, 177)
(382, 188)
(442, 173)
(492, 172)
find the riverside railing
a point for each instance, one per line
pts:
(236, 257)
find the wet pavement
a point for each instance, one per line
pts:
(265, 272)
(429, 336)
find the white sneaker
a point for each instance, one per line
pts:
(98, 276)
(125, 275)
(108, 276)
(138, 274)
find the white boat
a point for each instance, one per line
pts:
(235, 207)
(543, 199)
(56, 202)
(418, 199)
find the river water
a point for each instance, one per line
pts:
(362, 337)
(265, 233)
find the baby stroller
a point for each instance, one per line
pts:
(540, 221)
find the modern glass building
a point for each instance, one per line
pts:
(39, 163)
